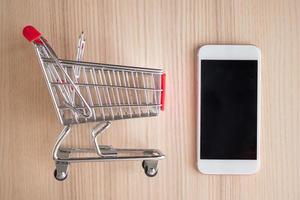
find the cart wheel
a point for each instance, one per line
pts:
(149, 169)
(143, 164)
(60, 176)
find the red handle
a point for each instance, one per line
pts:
(163, 92)
(31, 34)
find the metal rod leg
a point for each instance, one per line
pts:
(61, 171)
(99, 128)
(61, 137)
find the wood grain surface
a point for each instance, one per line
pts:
(153, 33)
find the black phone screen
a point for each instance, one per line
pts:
(228, 107)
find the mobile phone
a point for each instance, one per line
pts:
(228, 113)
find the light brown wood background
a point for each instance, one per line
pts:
(150, 33)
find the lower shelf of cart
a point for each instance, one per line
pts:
(109, 154)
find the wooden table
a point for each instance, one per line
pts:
(153, 33)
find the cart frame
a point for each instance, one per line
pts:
(68, 89)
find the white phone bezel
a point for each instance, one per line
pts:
(229, 52)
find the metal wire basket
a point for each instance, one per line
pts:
(85, 92)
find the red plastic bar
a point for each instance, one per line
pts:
(163, 92)
(31, 34)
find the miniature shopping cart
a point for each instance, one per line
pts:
(85, 92)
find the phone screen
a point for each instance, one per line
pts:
(228, 126)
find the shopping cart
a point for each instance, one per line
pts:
(85, 92)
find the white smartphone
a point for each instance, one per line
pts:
(228, 122)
